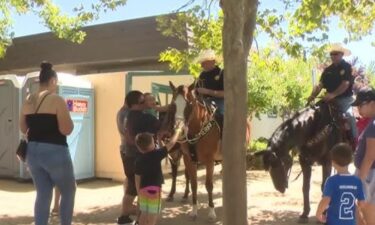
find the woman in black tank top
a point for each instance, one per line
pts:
(46, 122)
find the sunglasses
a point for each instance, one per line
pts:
(334, 53)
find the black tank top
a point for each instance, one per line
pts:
(43, 127)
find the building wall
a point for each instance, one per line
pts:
(109, 97)
(264, 127)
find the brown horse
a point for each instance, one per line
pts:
(200, 143)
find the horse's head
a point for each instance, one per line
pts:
(187, 104)
(182, 96)
(279, 168)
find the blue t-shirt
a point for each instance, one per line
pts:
(344, 190)
(359, 154)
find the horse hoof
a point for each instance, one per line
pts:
(184, 200)
(169, 199)
(193, 218)
(194, 212)
(211, 220)
(211, 215)
(303, 219)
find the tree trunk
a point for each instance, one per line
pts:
(239, 24)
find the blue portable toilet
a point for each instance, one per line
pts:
(79, 97)
(10, 102)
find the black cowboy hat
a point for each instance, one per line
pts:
(365, 95)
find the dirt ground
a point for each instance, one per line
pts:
(97, 201)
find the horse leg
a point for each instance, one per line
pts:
(174, 167)
(194, 185)
(306, 172)
(326, 171)
(187, 183)
(192, 172)
(209, 188)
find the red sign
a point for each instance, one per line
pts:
(77, 105)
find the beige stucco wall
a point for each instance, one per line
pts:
(109, 97)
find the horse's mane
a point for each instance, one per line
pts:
(303, 123)
(169, 119)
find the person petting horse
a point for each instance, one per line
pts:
(211, 83)
(131, 120)
(337, 79)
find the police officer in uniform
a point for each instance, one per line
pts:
(211, 83)
(337, 79)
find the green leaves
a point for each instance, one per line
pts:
(276, 83)
(199, 31)
(65, 26)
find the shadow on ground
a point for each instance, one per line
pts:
(13, 185)
(271, 217)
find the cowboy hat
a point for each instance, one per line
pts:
(337, 47)
(206, 55)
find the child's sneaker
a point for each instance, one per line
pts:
(124, 220)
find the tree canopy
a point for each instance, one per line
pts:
(297, 35)
(62, 24)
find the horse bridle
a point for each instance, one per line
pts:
(205, 128)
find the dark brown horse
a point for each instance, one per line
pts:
(201, 143)
(313, 131)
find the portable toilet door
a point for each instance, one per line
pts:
(79, 96)
(9, 125)
(80, 102)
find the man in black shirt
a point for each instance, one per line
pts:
(131, 120)
(211, 83)
(337, 79)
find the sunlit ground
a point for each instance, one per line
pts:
(98, 201)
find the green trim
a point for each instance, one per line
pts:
(160, 88)
(130, 75)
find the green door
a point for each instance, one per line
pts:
(162, 93)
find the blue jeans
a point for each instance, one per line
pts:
(51, 165)
(344, 104)
(219, 103)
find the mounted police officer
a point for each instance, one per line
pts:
(337, 79)
(211, 83)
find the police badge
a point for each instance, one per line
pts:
(342, 72)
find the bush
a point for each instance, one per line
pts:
(255, 163)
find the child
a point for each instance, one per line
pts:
(342, 191)
(149, 176)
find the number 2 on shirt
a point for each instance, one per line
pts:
(347, 205)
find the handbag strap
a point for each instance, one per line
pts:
(40, 103)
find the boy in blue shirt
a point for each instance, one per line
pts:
(342, 191)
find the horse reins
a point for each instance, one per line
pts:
(204, 130)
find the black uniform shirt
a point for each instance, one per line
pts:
(213, 79)
(334, 75)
